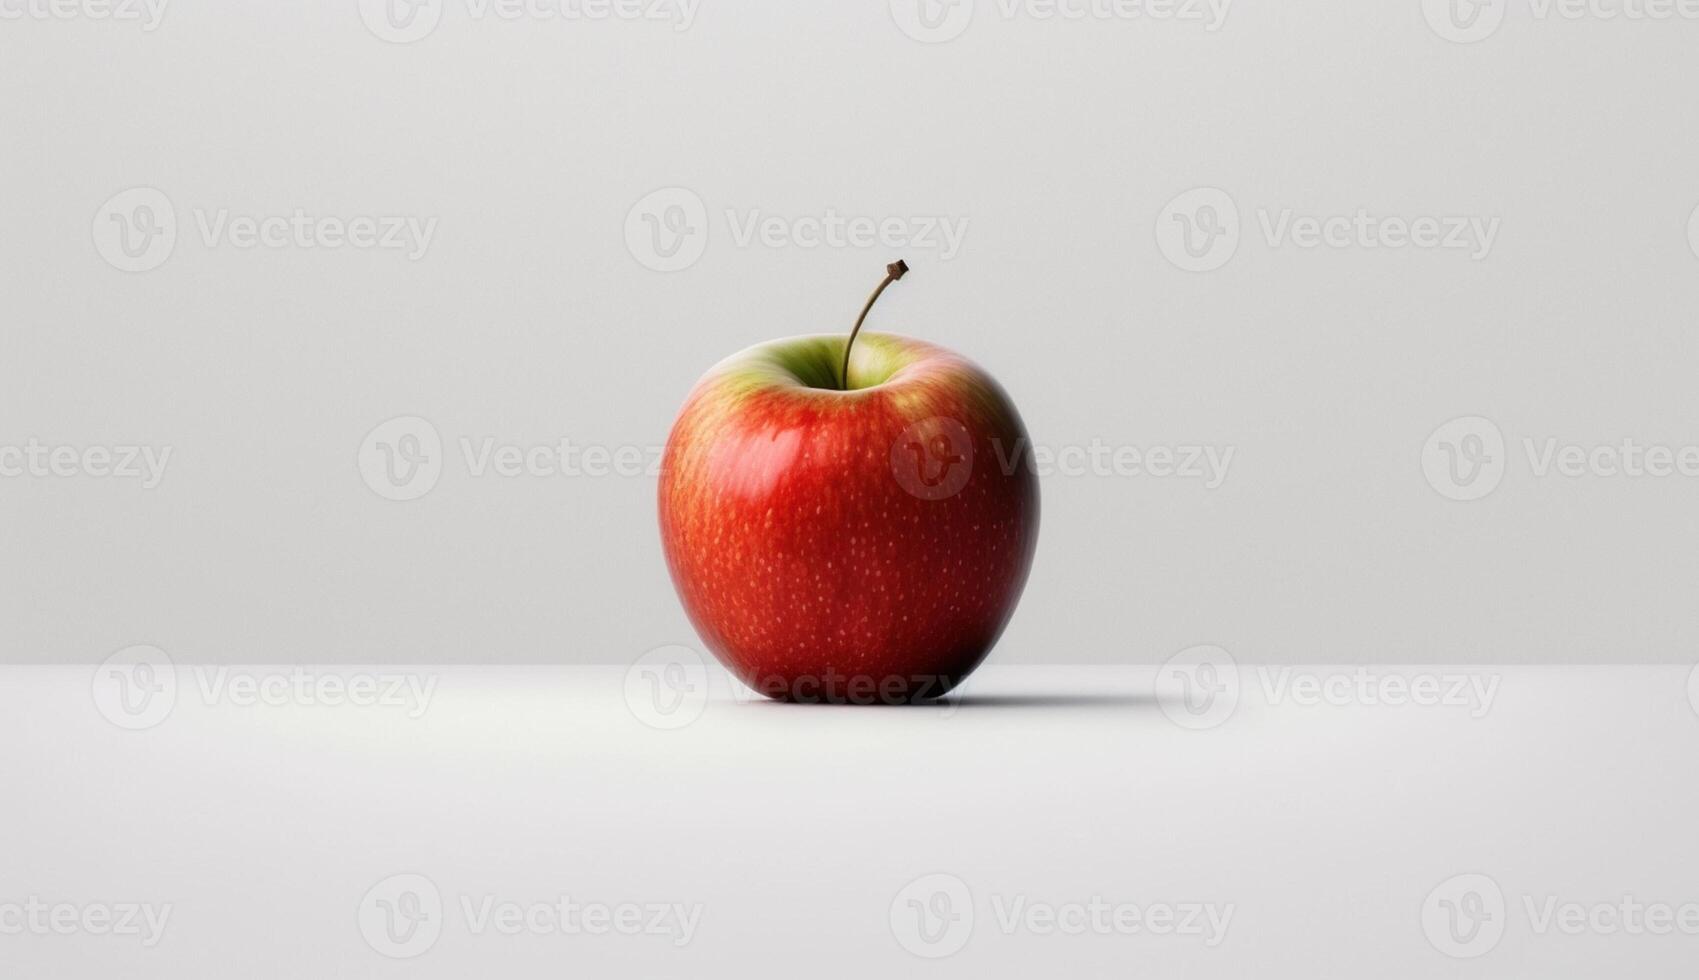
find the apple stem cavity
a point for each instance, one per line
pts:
(893, 272)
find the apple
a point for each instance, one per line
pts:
(849, 522)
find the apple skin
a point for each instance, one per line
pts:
(862, 546)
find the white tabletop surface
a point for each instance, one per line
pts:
(1053, 820)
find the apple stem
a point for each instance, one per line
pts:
(893, 272)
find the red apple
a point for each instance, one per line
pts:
(849, 528)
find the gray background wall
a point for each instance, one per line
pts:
(1061, 150)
